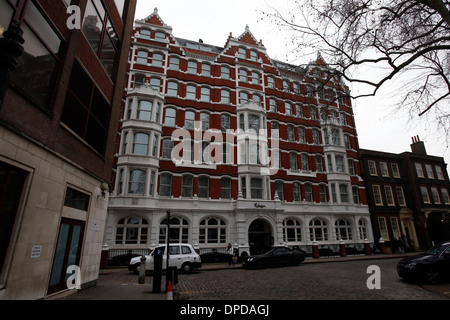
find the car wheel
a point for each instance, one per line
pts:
(295, 262)
(432, 276)
(186, 267)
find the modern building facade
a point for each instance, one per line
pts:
(408, 196)
(58, 127)
(240, 148)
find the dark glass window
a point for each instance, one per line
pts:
(100, 33)
(38, 64)
(86, 111)
(76, 199)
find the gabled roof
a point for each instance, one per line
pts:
(155, 19)
(247, 37)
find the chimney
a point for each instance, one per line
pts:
(418, 146)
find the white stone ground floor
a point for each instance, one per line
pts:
(250, 226)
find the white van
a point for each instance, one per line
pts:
(181, 255)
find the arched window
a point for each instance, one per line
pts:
(343, 230)
(292, 231)
(132, 230)
(318, 230)
(212, 231)
(179, 230)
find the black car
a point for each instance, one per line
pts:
(278, 256)
(432, 266)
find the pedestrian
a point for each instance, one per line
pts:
(395, 246)
(230, 253)
(401, 246)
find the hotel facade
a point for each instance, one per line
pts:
(238, 147)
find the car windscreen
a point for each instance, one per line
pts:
(434, 250)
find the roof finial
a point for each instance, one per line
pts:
(247, 29)
(155, 11)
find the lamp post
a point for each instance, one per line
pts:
(167, 250)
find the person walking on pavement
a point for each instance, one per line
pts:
(230, 251)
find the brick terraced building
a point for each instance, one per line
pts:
(240, 148)
(408, 196)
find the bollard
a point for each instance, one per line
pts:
(315, 249)
(367, 250)
(382, 246)
(141, 279)
(342, 249)
(104, 256)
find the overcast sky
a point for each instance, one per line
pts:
(212, 21)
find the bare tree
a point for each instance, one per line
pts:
(401, 39)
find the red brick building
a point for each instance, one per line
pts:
(186, 145)
(58, 127)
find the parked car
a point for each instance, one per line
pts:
(277, 256)
(181, 255)
(215, 256)
(432, 266)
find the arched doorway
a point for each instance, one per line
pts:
(259, 236)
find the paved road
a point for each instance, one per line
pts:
(337, 281)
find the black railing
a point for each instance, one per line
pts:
(121, 257)
(208, 250)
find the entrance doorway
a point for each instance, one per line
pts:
(68, 252)
(259, 237)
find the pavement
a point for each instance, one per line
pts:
(117, 283)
